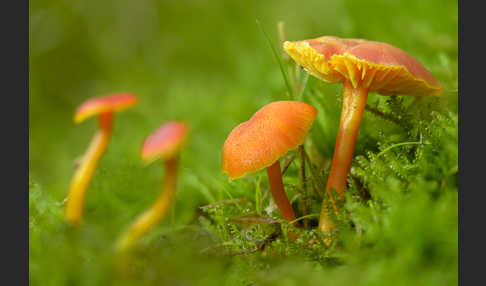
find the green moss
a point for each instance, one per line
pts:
(214, 71)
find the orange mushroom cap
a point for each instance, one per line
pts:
(378, 66)
(95, 106)
(270, 133)
(165, 142)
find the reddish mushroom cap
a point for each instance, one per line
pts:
(95, 106)
(165, 142)
(270, 133)
(380, 67)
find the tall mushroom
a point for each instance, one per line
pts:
(259, 143)
(104, 107)
(164, 144)
(362, 66)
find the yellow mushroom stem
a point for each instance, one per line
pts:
(84, 172)
(157, 212)
(354, 102)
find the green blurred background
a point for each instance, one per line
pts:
(205, 62)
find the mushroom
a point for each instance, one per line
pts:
(164, 144)
(362, 66)
(104, 107)
(259, 143)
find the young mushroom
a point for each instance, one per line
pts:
(259, 143)
(104, 107)
(362, 66)
(164, 144)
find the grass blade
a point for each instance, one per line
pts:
(277, 57)
(300, 95)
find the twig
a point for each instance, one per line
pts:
(287, 161)
(252, 219)
(303, 217)
(230, 201)
(313, 176)
(303, 201)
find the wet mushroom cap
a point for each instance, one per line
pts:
(270, 133)
(380, 67)
(165, 142)
(98, 105)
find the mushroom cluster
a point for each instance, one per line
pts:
(361, 66)
(164, 144)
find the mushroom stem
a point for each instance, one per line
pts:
(85, 171)
(157, 212)
(278, 193)
(325, 222)
(354, 102)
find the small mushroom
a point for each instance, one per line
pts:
(164, 144)
(259, 143)
(362, 66)
(104, 107)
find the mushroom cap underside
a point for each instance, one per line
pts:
(377, 66)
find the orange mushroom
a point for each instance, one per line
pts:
(259, 143)
(164, 144)
(362, 66)
(104, 107)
